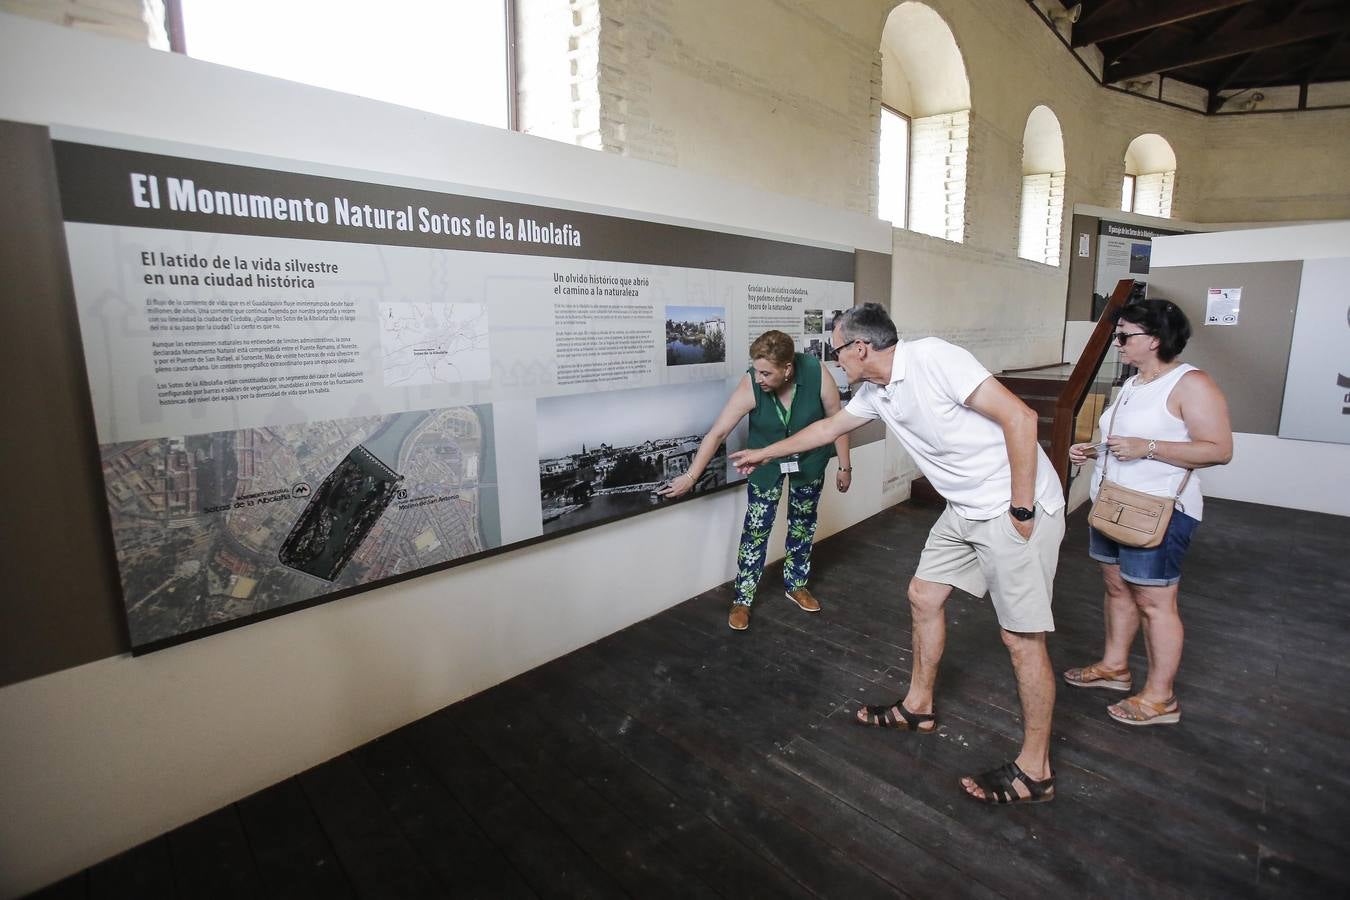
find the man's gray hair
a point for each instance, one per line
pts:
(869, 323)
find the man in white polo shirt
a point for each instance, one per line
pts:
(976, 444)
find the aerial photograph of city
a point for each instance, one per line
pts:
(202, 523)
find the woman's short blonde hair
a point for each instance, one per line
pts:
(775, 346)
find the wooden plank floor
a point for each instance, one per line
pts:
(680, 759)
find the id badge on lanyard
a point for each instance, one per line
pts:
(789, 465)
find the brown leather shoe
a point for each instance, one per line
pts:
(739, 619)
(803, 598)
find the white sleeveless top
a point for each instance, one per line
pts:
(1144, 414)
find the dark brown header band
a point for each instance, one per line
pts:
(109, 186)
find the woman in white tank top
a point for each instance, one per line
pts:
(1169, 419)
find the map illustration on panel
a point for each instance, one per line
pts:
(215, 527)
(434, 343)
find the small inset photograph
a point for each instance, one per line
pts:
(836, 371)
(830, 355)
(812, 345)
(1140, 255)
(695, 334)
(604, 456)
(813, 321)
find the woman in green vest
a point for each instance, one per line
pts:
(782, 392)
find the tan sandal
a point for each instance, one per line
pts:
(1096, 676)
(1138, 711)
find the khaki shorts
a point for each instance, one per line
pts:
(978, 556)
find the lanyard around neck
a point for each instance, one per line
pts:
(784, 413)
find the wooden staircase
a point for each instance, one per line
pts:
(1038, 388)
(1062, 394)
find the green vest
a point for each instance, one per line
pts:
(766, 425)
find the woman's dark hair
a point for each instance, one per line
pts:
(1164, 320)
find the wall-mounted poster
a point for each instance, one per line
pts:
(306, 386)
(1223, 306)
(1317, 386)
(1123, 251)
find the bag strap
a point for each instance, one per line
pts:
(1111, 429)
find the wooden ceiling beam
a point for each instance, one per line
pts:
(1215, 101)
(1319, 62)
(1215, 48)
(1114, 22)
(1123, 49)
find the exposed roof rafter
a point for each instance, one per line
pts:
(1226, 46)
(1215, 101)
(1320, 61)
(1221, 47)
(1127, 48)
(1108, 23)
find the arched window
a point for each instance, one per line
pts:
(1042, 187)
(1150, 176)
(925, 99)
(893, 170)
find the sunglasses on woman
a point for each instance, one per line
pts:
(1123, 336)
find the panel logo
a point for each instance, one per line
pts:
(1342, 380)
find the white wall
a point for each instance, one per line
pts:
(1327, 240)
(100, 757)
(1007, 311)
(1266, 468)
(1309, 475)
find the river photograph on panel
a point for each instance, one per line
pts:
(603, 456)
(695, 334)
(1140, 256)
(212, 528)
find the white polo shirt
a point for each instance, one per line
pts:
(960, 451)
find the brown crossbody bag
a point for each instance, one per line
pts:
(1131, 517)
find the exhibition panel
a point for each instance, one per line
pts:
(305, 385)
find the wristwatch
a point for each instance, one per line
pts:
(1022, 514)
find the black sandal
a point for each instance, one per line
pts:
(998, 786)
(882, 717)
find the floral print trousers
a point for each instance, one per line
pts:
(803, 502)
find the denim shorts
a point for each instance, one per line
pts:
(1158, 566)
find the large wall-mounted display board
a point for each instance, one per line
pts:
(306, 385)
(1317, 388)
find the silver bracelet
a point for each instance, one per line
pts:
(845, 468)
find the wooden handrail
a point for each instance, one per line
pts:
(1075, 390)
